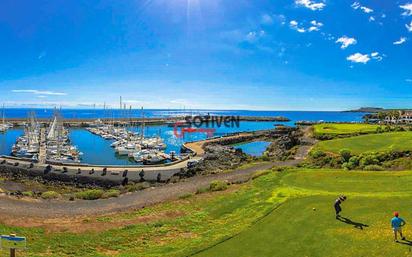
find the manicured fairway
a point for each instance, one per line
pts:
(342, 129)
(272, 215)
(295, 229)
(400, 141)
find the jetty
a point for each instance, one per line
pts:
(72, 122)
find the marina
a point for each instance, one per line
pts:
(104, 143)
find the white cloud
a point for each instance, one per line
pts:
(408, 80)
(37, 92)
(377, 56)
(400, 41)
(346, 41)
(266, 19)
(315, 26)
(311, 4)
(316, 23)
(359, 58)
(357, 5)
(409, 27)
(371, 18)
(254, 35)
(408, 9)
(294, 25)
(366, 9)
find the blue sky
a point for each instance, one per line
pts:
(211, 54)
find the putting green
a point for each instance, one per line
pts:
(343, 129)
(399, 141)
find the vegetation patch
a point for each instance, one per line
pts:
(50, 195)
(218, 185)
(92, 194)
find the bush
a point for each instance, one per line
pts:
(132, 187)
(379, 130)
(373, 168)
(345, 154)
(50, 195)
(92, 194)
(28, 193)
(218, 185)
(317, 154)
(202, 190)
(368, 159)
(111, 193)
(265, 158)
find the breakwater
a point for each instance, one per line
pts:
(135, 121)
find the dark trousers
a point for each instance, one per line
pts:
(337, 209)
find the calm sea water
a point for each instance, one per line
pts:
(254, 148)
(98, 151)
(99, 113)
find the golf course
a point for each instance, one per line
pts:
(397, 141)
(278, 211)
(287, 212)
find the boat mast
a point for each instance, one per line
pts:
(142, 125)
(4, 118)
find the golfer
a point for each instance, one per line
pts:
(337, 204)
(397, 224)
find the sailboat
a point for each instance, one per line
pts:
(4, 126)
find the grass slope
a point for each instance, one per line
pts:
(295, 229)
(400, 141)
(343, 129)
(270, 216)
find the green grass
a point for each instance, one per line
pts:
(344, 129)
(295, 229)
(399, 141)
(271, 215)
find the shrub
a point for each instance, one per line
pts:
(379, 130)
(345, 154)
(368, 159)
(28, 193)
(92, 194)
(132, 187)
(265, 158)
(111, 193)
(202, 190)
(373, 168)
(218, 185)
(317, 154)
(50, 195)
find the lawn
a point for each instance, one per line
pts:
(270, 216)
(399, 141)
(344, 129)
(296, 229)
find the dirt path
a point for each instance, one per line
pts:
(48, 209)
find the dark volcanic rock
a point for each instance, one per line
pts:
(218, 158)
(279, 149)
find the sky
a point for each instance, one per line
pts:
(206, 54)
